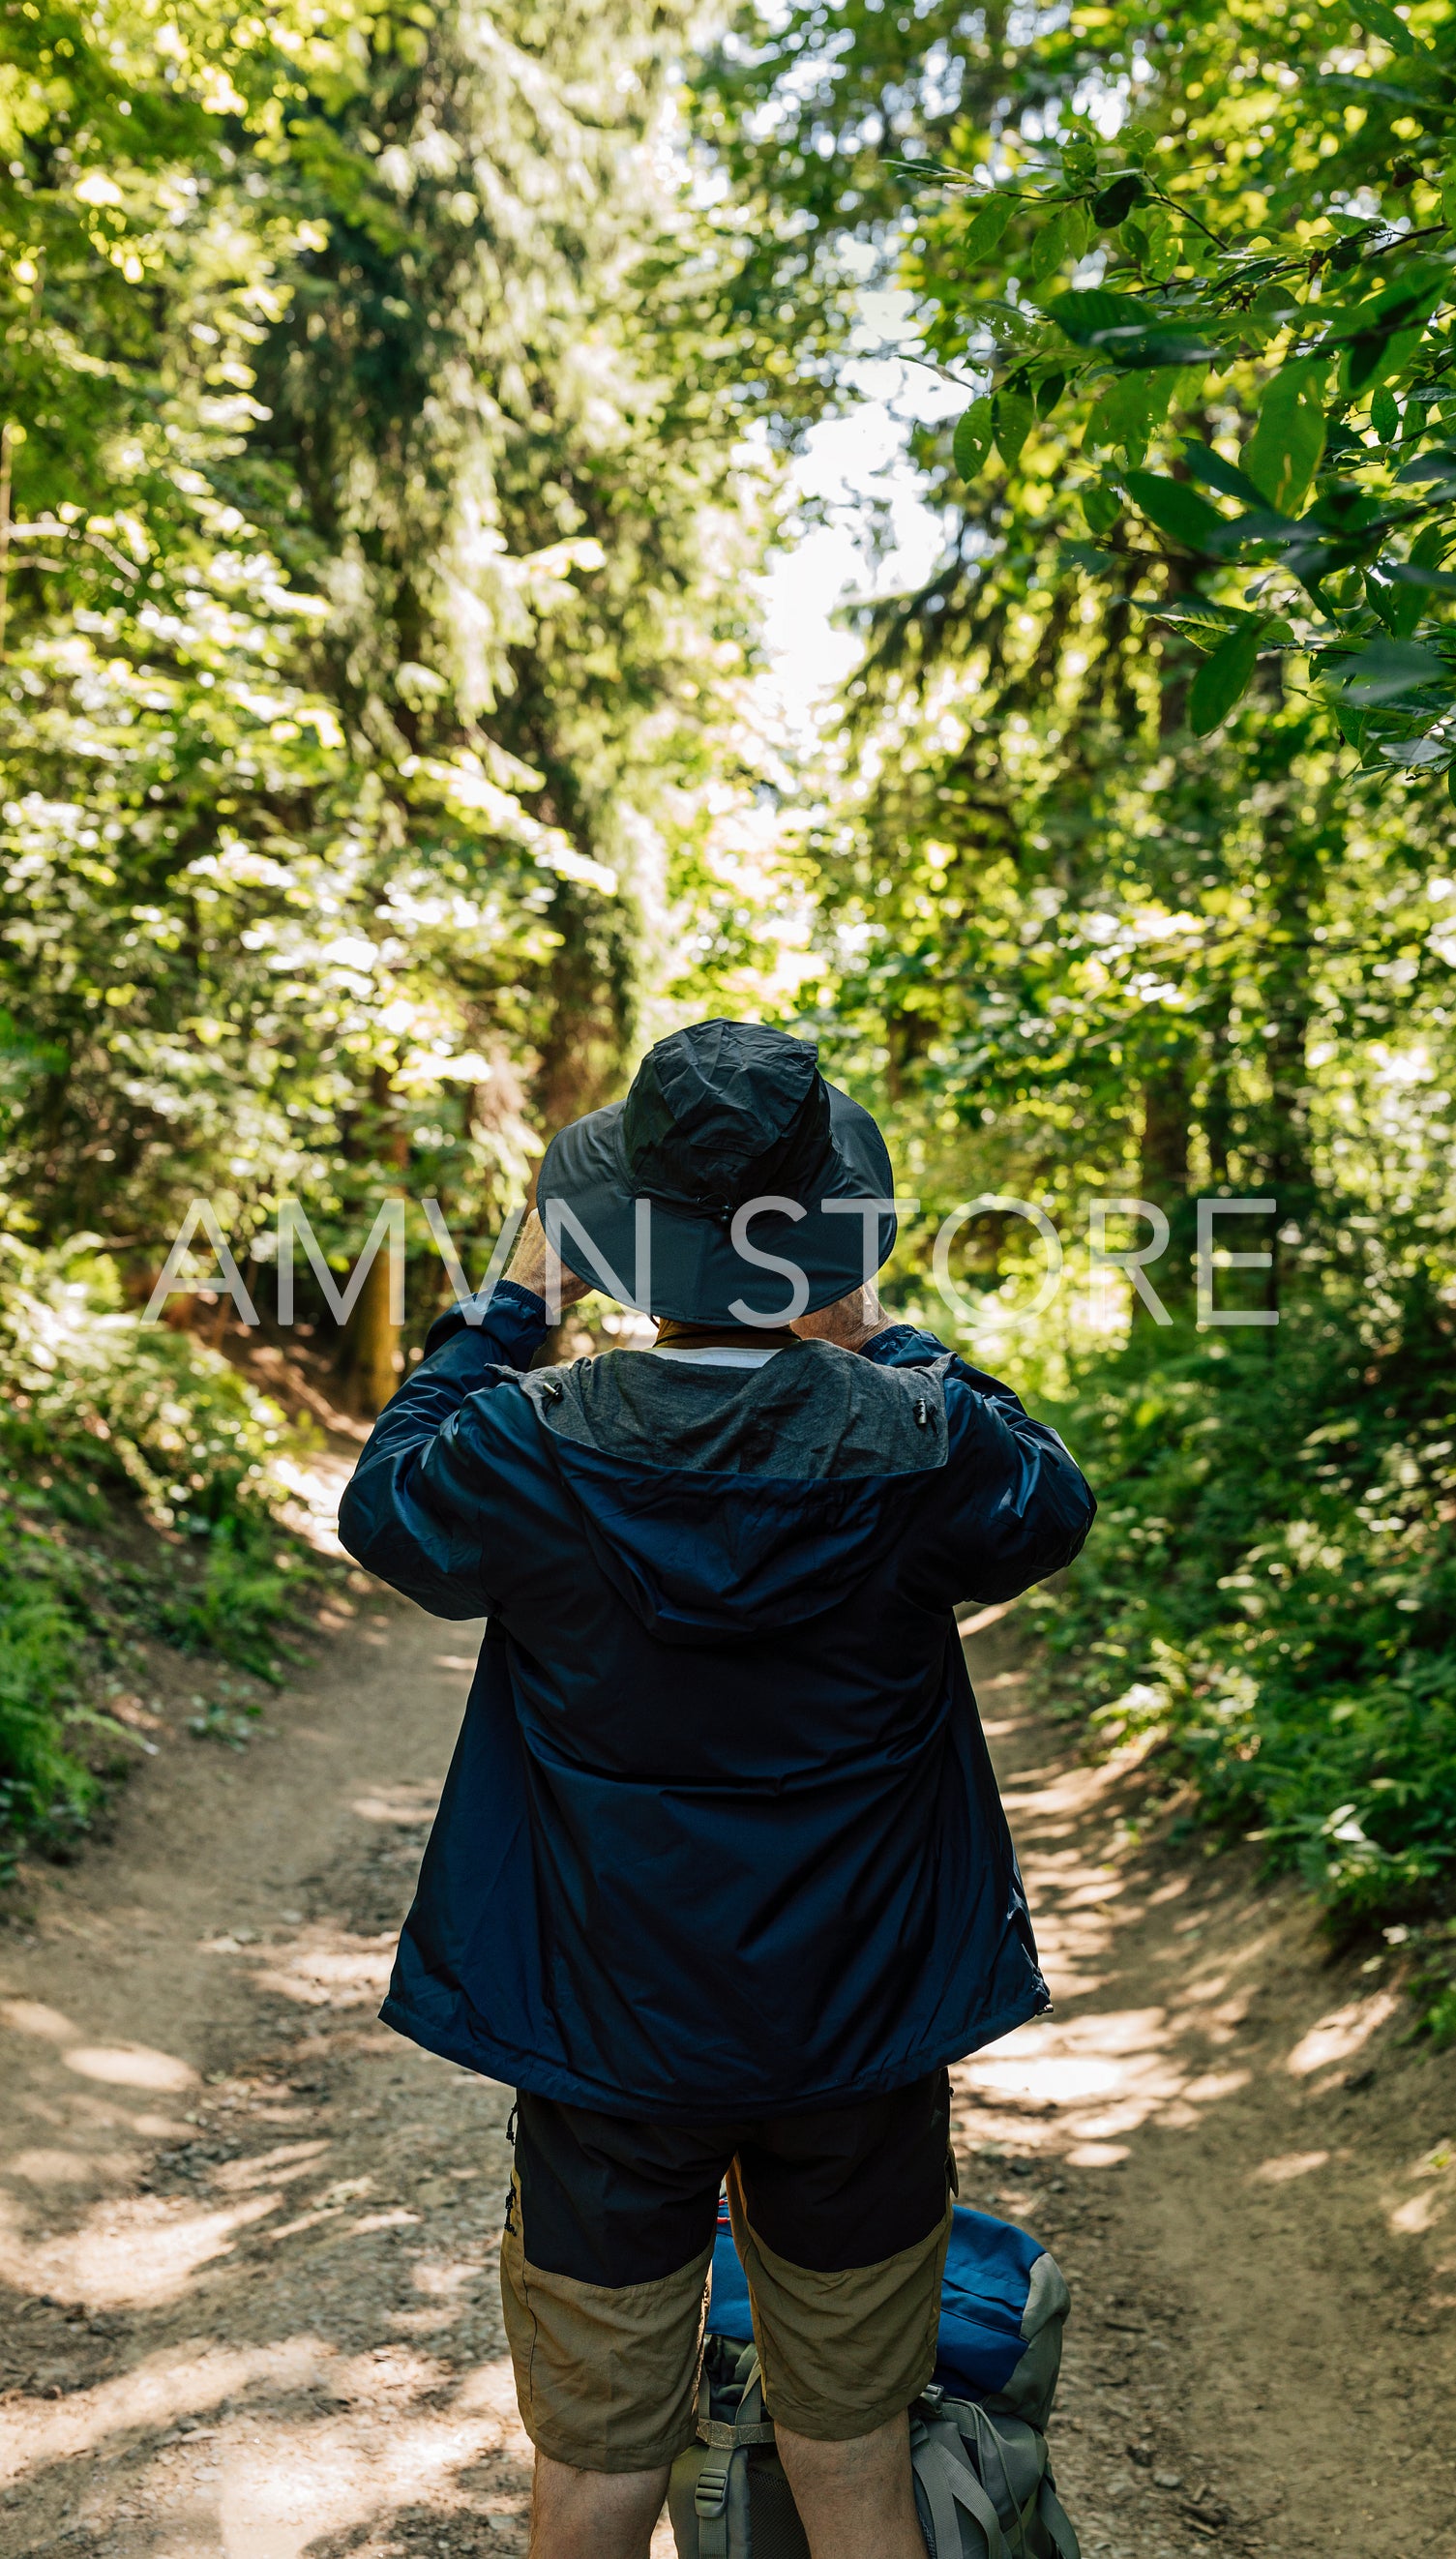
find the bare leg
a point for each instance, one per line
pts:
(595, 2515)
(856, 2500)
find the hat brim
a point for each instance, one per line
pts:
(696, 1273)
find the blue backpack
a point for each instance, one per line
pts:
(982, 2482)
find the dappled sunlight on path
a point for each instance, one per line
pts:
(248, 2236)
(249, 2300)
(1244, 2174)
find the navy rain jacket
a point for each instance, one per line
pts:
(720, 1834)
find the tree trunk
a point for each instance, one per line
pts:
(1217, 1101)
(372, 1355)
(371, 1361)
(584, 1052)
(589, 990)
(1163, 1166)
(1295, 870)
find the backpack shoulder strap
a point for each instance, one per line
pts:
(949, 2484)
(710, 2489)
(726, 2445)
(1058, 2522)
(710, 2506)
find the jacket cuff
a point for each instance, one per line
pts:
(507, 1327)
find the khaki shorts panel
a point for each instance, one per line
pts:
(606, 2375)
(842, 2354)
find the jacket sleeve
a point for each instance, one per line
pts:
(415, 1512)
(1011, 1505)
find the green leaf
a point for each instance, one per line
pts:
(1381, 334)
(1438, 464)
(1224, 680)
(1131, 328)
(1448, 196)
(1436, 581)
(1385, 416)
(1086, 557)
(1168, 347)
(1284, 453)
(1089, 318)
(1407, 599)
(972, 439)
(1397, 605)
(1377, 20)
(1382, 331)
(1379, 356)
(1046, 247)
(1389, 670)
(1012, 418)
(1101, 506)
(1352, 725)
(1212, 622)
(1177, 510)
(1396, 304)
(1060, 238)
(1116, 201)
(1128, 409)
(985, 231)
(1164, 247)
(1210, 468)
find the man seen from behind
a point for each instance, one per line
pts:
(720, 1882)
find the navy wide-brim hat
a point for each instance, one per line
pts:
(654, 1199)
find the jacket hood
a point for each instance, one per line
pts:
(727, 1504)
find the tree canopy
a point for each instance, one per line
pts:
(1133, 875)
(395, 413)
(347, 641)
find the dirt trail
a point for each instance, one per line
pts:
(247, 2289)
(1249, 2180)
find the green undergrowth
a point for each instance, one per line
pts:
(1268, 1601)
(139, 1500)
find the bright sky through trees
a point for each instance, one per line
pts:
(853, 465)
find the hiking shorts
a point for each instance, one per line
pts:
(841, 2219)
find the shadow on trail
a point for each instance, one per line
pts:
(247, 2238)
(1246, 2175)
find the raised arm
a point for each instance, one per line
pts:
(422, 1503)
(1011, 1505)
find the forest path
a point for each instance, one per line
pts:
(247, 2289)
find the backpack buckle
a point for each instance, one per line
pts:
(710, 2495)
